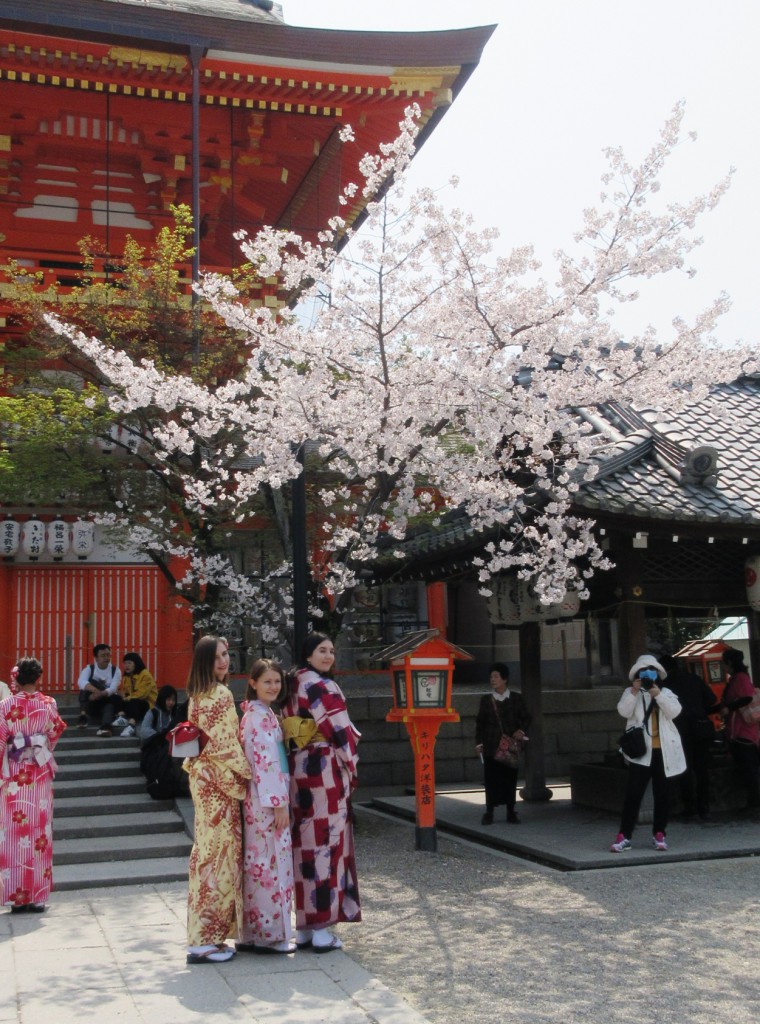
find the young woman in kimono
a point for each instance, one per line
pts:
(218, 782)
(267, 851)
(29, 730)
(322, 752)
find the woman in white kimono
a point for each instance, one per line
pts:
(267, 851)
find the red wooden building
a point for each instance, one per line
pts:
(110, 112)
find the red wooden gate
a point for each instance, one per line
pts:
(61, 612)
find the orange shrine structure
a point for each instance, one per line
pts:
(113, 111)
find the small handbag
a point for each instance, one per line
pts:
(508, 750)
(751, 712)
(186, 740)
(633, 742)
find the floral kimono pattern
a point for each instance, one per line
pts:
(323, 773)
(218, 780)
(29, 730)
(267, 854)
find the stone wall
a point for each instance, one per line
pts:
(579, 726)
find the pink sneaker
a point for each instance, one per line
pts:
(621, 844)
(658, 841)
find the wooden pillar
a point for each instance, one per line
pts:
(753, 629)
(437, 607)
(530, 678)
(632, 633)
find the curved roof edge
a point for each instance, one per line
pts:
(177, 29)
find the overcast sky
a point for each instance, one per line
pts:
(562, 79)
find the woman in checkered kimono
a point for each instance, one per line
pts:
(322, 754)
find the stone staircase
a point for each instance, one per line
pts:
(107, 830)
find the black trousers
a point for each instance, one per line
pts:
(745, 758)
(695, 781)
(636, 786)
(103, 710)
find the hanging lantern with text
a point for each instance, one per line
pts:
(58, 539)
(10, 535)
(82, 538)
(33, 538)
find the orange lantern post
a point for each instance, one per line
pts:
(422, 668)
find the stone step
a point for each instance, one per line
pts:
(145, 822)
(82, 806)
(121, 848)
(97, 788)
(88, 740)
(86, 756)
(108, 874)
(98, 770)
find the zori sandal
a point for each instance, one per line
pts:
(210, 955)
(326, 947)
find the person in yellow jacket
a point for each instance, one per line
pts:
(137, 692)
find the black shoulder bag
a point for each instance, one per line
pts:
(633, 743)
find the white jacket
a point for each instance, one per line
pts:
(632, 706)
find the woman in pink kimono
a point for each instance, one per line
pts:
(267, 851)
(323, 759)
(29, 730)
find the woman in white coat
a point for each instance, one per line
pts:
(647, 704)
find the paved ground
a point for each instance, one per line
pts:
(466, 935)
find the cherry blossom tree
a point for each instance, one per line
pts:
(426, 373)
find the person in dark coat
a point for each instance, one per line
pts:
(501, 712)
(165, 778)
(697, 734)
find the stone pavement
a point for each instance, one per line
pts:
(570, 838)
(119, 955)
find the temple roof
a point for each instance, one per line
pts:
(235, 10)
(698, 465)
(240, 30)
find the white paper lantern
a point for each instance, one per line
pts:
(58, 539)
(108, 443)
(752, 581)
(10, 535)
(33, 538)
(82, 538)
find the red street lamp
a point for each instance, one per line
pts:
(422, 668)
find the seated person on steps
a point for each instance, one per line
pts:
(98, 683)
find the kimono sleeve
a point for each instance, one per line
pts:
(260, 735)
(328, 708)
(222, 758)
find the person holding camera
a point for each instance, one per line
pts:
(648, 706)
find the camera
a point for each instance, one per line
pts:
(648, 677)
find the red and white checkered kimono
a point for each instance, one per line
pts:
(322, 775)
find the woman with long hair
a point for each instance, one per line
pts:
(323, 760)
(743, 737)
(267, 852)
(30, 727)
(218, 782)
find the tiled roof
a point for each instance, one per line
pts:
(235, 10)
(644, 471)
